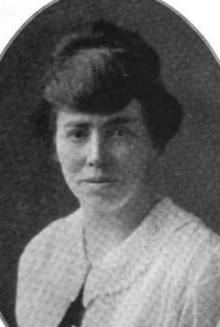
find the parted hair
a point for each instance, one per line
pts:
(99, 69)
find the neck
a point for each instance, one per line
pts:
(107, 228)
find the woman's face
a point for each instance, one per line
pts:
(105, 159)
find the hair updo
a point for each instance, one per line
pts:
(99, 69)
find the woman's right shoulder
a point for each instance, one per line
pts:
(51, 240)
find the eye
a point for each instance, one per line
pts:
(78, 134)
(118, 132)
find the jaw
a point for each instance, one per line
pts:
(110, 202)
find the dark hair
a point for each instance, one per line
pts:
(101, 68)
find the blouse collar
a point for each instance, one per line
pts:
(120, 268)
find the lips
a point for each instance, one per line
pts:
(98, 180)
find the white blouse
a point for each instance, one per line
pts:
(165, 274)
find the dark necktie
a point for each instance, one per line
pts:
(74, 313)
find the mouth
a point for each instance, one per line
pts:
(98, 180)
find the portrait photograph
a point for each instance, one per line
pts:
(110, 168)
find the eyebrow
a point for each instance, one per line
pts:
(77, 124)
(121, 120)
(114, 121)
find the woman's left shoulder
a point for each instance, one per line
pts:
(207, 257)
(194, 242)
(186, 223)
(197, 239)
(202, 298)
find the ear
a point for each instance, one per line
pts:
(54, 154)
(55, 157)
(156, 153)
(157, 156)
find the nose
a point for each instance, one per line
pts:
(96, 151)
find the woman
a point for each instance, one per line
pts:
(126, 257)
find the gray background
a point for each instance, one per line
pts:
(33, 192)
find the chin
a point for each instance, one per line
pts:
(105, 202)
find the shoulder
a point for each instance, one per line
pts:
(189, 228)
(202, 296)
(51, 241)
(194, 245)
(51, 271)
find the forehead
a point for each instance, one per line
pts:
(132, 113)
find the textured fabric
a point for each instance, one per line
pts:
(74, 314)
(166, 274)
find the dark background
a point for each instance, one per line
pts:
(33, 192)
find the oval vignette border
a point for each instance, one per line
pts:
(214, 49)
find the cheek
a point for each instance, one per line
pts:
(70, 161)
(120, 159)
(139, 160)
